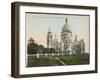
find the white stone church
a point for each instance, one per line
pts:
(67, 45)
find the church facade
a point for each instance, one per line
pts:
(67, 45)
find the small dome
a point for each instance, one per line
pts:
(31, 39)
(82, 41)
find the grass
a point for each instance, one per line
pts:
(75, 59)
(43, 62)
(48, 61)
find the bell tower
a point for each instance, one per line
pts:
(49, 38)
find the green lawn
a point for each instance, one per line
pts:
(48, 61)
(75, 60)
(43, 62)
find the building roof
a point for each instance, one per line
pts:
(31, 39)
(66, 27)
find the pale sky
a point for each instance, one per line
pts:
(37, 26)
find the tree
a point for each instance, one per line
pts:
(32, 48)
(41, 49)
(52, 50)
(46, 50)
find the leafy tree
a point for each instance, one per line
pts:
(32, 48)
(46, 50)
(41, 49)
(52, 50)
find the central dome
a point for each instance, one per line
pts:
(66, 27)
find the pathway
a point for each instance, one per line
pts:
(60, 61)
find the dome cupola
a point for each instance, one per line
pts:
(66, 27)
